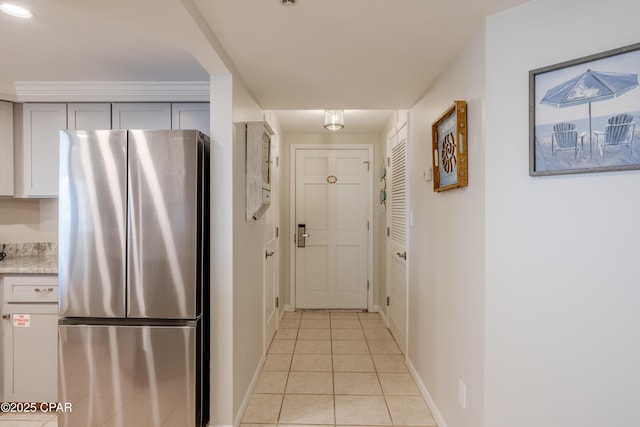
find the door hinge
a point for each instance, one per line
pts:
(388, 231)
(388, 300)
(388, 161)
(277, 161)
(367, 285)
(277, 302)
(367, 225)
(277, 231)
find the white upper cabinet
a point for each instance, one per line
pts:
(6, 148)
(37, 135)
(89, 116)
(140, 116)
(191, 116)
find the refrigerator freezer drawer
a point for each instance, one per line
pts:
(129, 376)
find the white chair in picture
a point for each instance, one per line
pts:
(618, 131)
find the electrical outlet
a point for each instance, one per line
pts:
(462, 394)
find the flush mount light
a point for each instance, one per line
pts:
(14, 10)
(333, 119)
(288, 3)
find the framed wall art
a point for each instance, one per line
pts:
(450, 148)
(584, 114)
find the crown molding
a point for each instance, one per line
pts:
(112, 91)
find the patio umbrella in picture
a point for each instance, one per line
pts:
(590, 86)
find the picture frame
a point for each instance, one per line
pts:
(449, 139)
(584, 114)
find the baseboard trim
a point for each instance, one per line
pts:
(437, 416)
(383, 316)
(245, 402)
(287, 307)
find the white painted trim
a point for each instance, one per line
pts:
(247, 397)
(286, 308)
(437, 416)
(292, 214)
(112, 91)
(383, 316)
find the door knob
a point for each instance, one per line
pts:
(6, 316)
(402, 255)
(267, 254)
(306, 235)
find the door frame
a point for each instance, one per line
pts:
(274, 244)
(292, 214)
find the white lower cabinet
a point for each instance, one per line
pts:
(29, 338)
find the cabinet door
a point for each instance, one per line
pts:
(140, 116)
(89, 116)
(30, 353)
(193, 115)
(41, 126)
(6, 148)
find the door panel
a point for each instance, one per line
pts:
(164, 235)
(272, 256)
(397, 241)
(30, 369)
(331, 201)
(92, 223)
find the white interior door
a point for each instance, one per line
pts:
(271, 272)
(397, 240)
(331, 203)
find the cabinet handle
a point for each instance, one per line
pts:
(43, 290)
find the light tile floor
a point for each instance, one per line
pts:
(322, 369)
(337, 369)
(28, 420)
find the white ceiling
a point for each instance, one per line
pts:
(353, 54)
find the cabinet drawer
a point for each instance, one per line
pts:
(30, 289)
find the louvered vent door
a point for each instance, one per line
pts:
(397, 243)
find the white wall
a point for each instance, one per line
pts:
(563, 277)
(28, 220)
(285, 162)
(446, 249)
(237, 257)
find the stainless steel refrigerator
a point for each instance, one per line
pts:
(133, 277)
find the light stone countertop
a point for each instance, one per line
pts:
(29, 258)
(42, 264)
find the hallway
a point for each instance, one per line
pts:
(335, 368)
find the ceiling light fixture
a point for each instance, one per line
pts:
(14, 10)
(334, 120)
(288, 3)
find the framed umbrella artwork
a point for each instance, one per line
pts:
(584, 114)
(450, 148)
